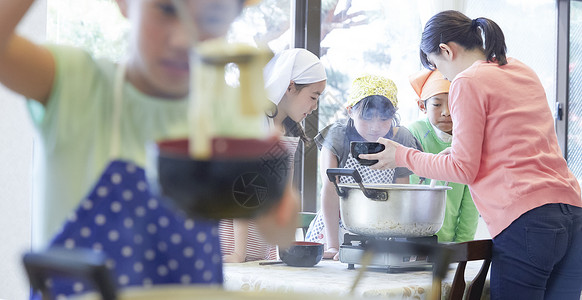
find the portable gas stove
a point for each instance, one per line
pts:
(353, 248)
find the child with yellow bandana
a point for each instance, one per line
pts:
(372, 114)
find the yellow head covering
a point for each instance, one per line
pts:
(369, 85)
(428, 83)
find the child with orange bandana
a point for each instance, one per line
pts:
(435, 133)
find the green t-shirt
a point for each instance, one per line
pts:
(461, 215)
(75, 129)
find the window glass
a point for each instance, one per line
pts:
(95, 25)
(267, 23)
(368, 36)
(574, 102)
(537, 17)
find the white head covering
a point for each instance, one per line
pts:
(298, 65)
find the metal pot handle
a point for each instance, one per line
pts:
(333, 172)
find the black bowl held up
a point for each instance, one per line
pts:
(357, 148)
(243, 179)
(302, 254)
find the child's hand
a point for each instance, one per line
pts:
(278, 225)
(233, 258)
(331, 253)
(387, 158)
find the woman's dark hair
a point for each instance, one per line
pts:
(377, 105)
(293, 128)
(453, 26)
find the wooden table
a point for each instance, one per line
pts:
(333, 277)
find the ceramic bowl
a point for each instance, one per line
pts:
(302, 254)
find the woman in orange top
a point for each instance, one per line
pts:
(505, 148)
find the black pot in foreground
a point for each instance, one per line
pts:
(243, 179)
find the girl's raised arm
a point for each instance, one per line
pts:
(25, 68)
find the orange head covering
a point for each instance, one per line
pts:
(428, 83)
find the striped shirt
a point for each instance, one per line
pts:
(257, 248)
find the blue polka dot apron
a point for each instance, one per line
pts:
(146, 241)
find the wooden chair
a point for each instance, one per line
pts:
(442, 255)
(462, 253)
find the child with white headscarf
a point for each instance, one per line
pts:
(294, 80)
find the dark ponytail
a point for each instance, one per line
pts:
(453, 26)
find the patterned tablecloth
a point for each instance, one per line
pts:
(333, 277)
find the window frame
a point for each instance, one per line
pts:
(307, 29)
(562, 75)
